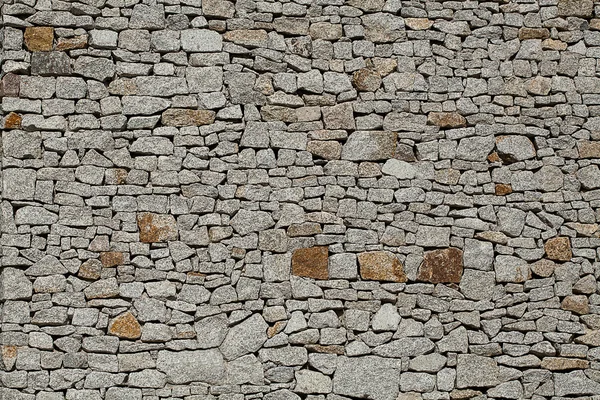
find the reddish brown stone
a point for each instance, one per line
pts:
(10, 85)
(186, 117)
(381, 266)
(39, 38)
(77, 42)
(561, 364)
(503, 189)
(125, 326)
(12, 121)
(9, 356)
(156, 227)
(558, 249)
(111, 258)
(442, 266)
(576, 303)
(533, 33)
(91, 269)
(446, 119)
(311, 262)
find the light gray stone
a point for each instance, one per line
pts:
(244, 338)
(201, 40)
(192, 366)
(368, 377)
(245, 222)
(473, 371)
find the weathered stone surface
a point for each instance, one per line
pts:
(369, 377)
(14, 285)
(399, 169)
(311, 262)
(39, 38)
(339, 117)
(325, 31)
(12, 121)
(574, 383)
(589, 177)
(575, 8)
(201, 40)
(111, 258)
(21, 144)
(192, 366)
(96, 68)
(244, 338)
(418, 24)
(577, 303)
(511, 269)
(381, 266)
(50, 63)
(245, 221)
(369, 146)
(589, 149)
(446, 120)
(156, 227)
(558, 249)
(514, 148)
(366, 80)
(473, 371)
(125, 326)
(247, 37)
(442, 266)
(561, 364)
(185, 117)
(327, 149)
(218, 8)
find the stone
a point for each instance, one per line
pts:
(558, 248)
(125, 326)
(102, 289)
(511, 221)
(473, 371)
(326, 149)
(382, 27)
(405, 347)
(111, 258)
(312, 382)
(311, 262)
(515, 148)
(211, 331)
(204, 79)
(507, 390)
(14, 285)
(247, 37)
(550, 178)
(23, 145)
(100, 69)
(543, 268)
(30, 215)
(577, 303)
(418, 24)
(575, 8)
(428, 363)
(218, 8)
(325, 31)
(442, 266)
(189, 366)
(562, 364)
(146, 17)
(201, 40)
(477, 285)
(367, 377)
(416, 382)
(245, 221)
(478, 254)
(511, 269)
(386, 318)
(574, 383)
(589, 149)
(399, 169)
(381, 266)
(245, 338)
(475, 148)
(73, 43)
(152, 145)
(340, 116)
(39, 38)
(50, 63)
(343, 266)
(121, 393)
(446, 120)
(366, 80)
(589, 177)
(185, 117)
(539, 86)
(10, 85)
(145, 105)
(369, 146)
(155, 228)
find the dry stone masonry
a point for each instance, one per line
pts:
(300, 199)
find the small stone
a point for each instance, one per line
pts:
(96, 68)
(91, 269)
(185, 117)
(367, 377)
(442, 266)
(312, 382)
(386, 319)
(369, 146)
(502, 189)
(192, 366)
(19, 184)
(558, 249)
(244, 338)
(10, 85)
(575, 8)
(418, 24)
(311, 262)
(125, 326)
(533, 33)
(574, 383)
(381, 266)
(511, 269)
(577, 303)
(515, 148)
(77, 42)
(14, 285)
(340, 116)
(248, 37)
(343, 266)
(543, 268)
(433, 236)
(245, 221)
(39, 38)
(146, 17)
(589, 177)
(12, 121)
(111, 258)
(366, 80)
(539, 86)
(446, 120)
(327, 149)
(201, 40)
(589, 149)
(156, 227)
(218, 8)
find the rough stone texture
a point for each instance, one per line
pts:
(311, 262)
(381, 265)
(156, 228)
(39, 38)
(442, 266)
(558, 249)
(125, 326)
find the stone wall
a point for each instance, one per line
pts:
(300, 199)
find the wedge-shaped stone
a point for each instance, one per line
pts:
(245, 221)
(405, 347)
(369, 146)
(245, 338)
(125, 326)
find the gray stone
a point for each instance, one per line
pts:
(120, 393)
(152, 145)
(145, 105)
(30, 215)
(146, 17)
(511, 221)
(515, 148)
(478, 254)
(405, 347)
(433, 236)
(18, 183)
(96, 68)
(428, 363)
(244, 338)
(511, 269)
(399, 169)
(475, 148)
(477, 285)
(340, 116)
(14, 285)
(312, 382)
(343, 266)
(50, 63)
(550, 178)
(367, 377)
(192, 366)
(416, 382)
(201, 40)
(473, 371)
(206, 79)
(245, 222)
(589, 177)
(386, 319)
(575, 383)
(369, 146)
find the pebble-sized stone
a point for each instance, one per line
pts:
(311, 262)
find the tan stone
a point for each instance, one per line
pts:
(384, 66)
(156, 227)
(327, 149)
(583, 229)
(77, 42)
(187, 117)
(311, 262)
(492, 236)
(304, 229)
(418, 24)
(9, 356)
(539, 85)
(503, 189)
(543, 268)
(331, 349)
(576, 303)
(248, 37)
(325, 31)
(366, 80)
(279, 113)
(575, 8)
(39, 38)
(558, 248)
(589, 149)
(446, 119)
(381, 266)
(533, 33)
(111, 258)
(464, 394)
(552, 44)
(595, 24)
(494, 157)
(591, 338)
(12, 121)
(91, 269)
(442, 266)
(125, 326)
(561, 364)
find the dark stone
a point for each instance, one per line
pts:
(50, 63)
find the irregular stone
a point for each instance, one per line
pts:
(50, 63)
(574, 383)
(201, 40)
(386, 319)
(562, 364)
(558, 248)
(405, 347)
(12, 121)
(550, 178)
(245, 221)
(146, 17)
(539, 86)
(184, 367)
(152, 145)
(343, 266)
(478, 254)
(185, 117)
(327, 149)
(125, 326)
(369, 146)
(325, 31)
(575, 8)
(204, 79)
(311, 262)
(155, 228)
(473, 371)
(73, 43)
(18, 183)
(589, 149)
(291, 25)
(39, 38)
(211, 331)
(96, 68)
(247, 37)
(340, 116)
(244, 338)
(14, 285)
(577, 303)
(111, 258)
(366, 80)
(218, 8)
(10, 85)
(382, 27)
(589, 177)
(312, 382)
(367, 377)
(533, 33)
(418, 24)
(442, 266)
(475, 148)
(145, 105)
(515, 148)
(381, 266)
(30, 215)
(446, 120)
(511, 269)
(399, 169)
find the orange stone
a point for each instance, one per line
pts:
(442, 266)
(125, 326)
(494, 157)
(561, 364)
(156, 227)
(12, 121)
(576, 303)
(311, 262)
(446, 119)
(558, 249)
(111, 258)
(275, 329)
(39, 38)
(381, 266)
(503, 189)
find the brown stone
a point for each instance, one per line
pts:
(561, 364)
(591, 338)
(121, 176)
(381, 266)
(125, 326)
(77, 42)
(331, 349)
(442, 266)
(12, 121)
(311, 262)
(325, 31)
(552, 44)
(187, 117)
(543, 268)
(384, 66)
(464, 394)
(418, 24)
(9, 356)
(279, 113)
(494, 157)
(248, 37)
(111, 258)
(446, 119)
(366, 80)
(595, 24)
(91, 269)
(275, 329)
(39, 38)
(558, 249)
(589, 149)
(156, 227)
(533, 33)
(577, 303)
(10, 85)
(503, 189)
(327, 149)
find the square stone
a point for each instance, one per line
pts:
(558, 249)
(311, 262)
(39, 38)
(343, 266)
(18, 184)
(433, 236)
(381, 266)
(21, 144)
(442, 266)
